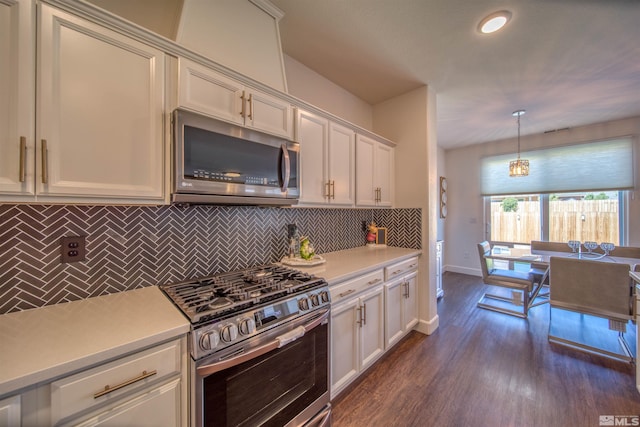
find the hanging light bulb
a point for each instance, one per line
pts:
(518, 167)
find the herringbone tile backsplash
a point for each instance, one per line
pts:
(133, 247)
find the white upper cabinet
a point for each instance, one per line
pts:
(99, 134)
(342, 152)
(313, 134)
(374, 172)
(17, 98)
(327, 152)
(206, 91)
(100, 109)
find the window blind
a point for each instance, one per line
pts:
(601, 165)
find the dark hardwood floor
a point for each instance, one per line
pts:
(483, 368)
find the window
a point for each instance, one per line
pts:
(559, 217)
(515, 218)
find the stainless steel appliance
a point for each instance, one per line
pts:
(223, 163)
(259, 347)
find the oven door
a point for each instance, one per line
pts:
(282, 380)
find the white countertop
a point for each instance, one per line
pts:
(44, 343)
(343, 265)
(41, 344)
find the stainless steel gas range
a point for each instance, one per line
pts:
(259, 347)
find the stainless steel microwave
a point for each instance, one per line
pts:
(221, 163)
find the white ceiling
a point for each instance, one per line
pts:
(567, 62)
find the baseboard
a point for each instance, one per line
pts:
(428, 326)
(464, 270)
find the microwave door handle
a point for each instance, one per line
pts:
(278, 342)
(284, 154)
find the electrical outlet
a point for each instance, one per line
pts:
(73, 249)
(291, 230)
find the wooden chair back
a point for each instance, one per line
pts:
(539, 245)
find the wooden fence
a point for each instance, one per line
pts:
(595, 220)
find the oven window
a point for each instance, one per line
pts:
(271, 389)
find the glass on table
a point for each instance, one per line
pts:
(574, 245)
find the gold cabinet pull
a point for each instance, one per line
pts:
(359, 321)
(108, 389)
(45, 162)
(327, 189)
(242, 102)
(250, 106)
(333, 190)
(373, 282)
(344, 294)
(23, 159)
(364, 314)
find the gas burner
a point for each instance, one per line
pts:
(290, 283)
(219, 302)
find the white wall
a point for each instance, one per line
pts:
(311, 87)
(464, 226)
(409, 120)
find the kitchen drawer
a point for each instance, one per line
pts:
(400, 268)
(351, 287)
(76, 393)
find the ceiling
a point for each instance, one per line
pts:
(567, 62)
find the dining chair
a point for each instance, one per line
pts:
(520, 283)
(592, 288)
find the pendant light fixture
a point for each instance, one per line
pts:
(518, 167)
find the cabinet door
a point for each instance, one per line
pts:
(312, 135)
(384, 174)
(268, 114)
(341, 163)
(17, 98)
(203, 90)
(344, 345)
(160, 406)
(372, 330)
(394, 302)
(10, 411)
(100, 112)
(410, 302)
(365, 182)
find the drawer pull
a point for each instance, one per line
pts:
(397, 271)
(108, 389)
(412, 265)
(373, 282)
(344, 294)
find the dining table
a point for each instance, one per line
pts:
(540, 261)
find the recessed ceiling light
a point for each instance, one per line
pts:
(494, 22)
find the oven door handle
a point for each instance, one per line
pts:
(279, 341)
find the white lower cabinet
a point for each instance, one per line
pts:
(10, 411)
(143, 389)
(357, 336)
(156, 407)
(401, 310)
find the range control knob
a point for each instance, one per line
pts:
(303, 304)
(315, 300)
(324, 296)
(247, 326)
(229, 333)
(209, 340)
